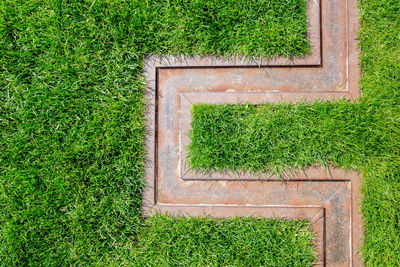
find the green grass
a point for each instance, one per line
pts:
(364, 136)
(72, 111)
(258, 138)
(235, 242)
(71, 117)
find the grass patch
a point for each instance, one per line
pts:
(71, 116)
(236, 242)
(259, 138)
(72, 111)
(260, 28)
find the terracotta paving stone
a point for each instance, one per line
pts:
(329, 199)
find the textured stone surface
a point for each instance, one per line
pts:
(329, 199)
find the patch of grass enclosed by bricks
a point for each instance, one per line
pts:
(259, 138)
(72, 115)
(234, 242)
(364, 135)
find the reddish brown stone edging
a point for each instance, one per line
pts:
(337, 193)
(175, 83)
(337, 72)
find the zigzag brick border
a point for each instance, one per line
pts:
(175, 83)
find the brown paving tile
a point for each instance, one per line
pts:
(177, 83)
(337, 194)
(335, 76)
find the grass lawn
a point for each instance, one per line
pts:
(72, 121)
(262, 137)
(72, 126)
(236, 242)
